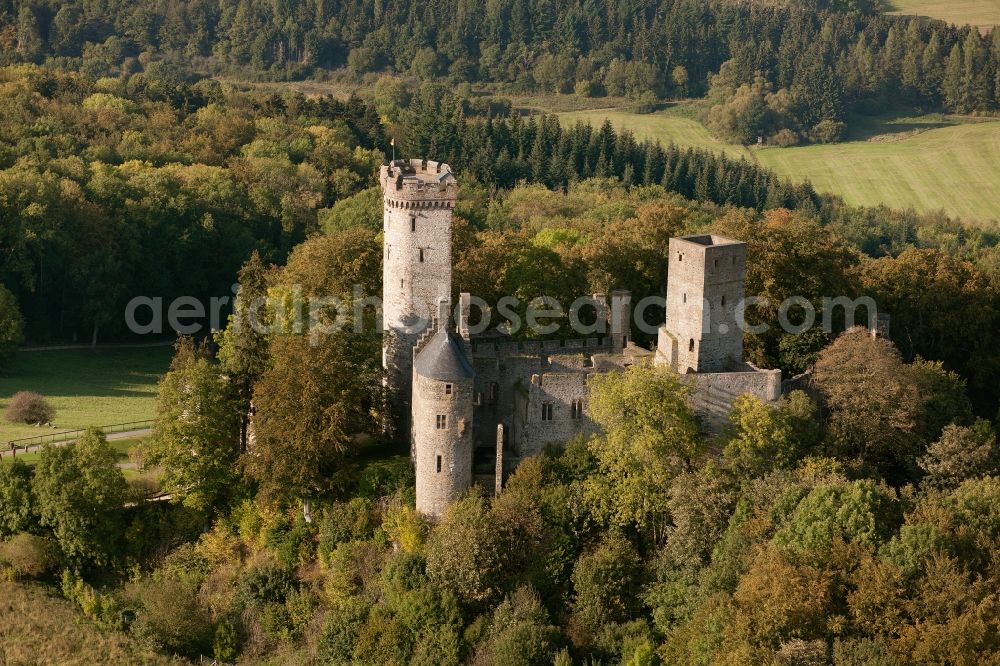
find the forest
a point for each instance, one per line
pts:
(789, 71)
(853, 522)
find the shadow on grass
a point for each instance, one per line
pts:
(864, 128)
(101, 373)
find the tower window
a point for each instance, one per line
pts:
(494, 392)
(421, 254)
(716, 263)
(723, 300)
(576, 409)
(442, 421)
(680, 256)
(734, 260)
(439, 464)
(413, 223)
(447, 389)
(546, 411)
(685, 298)
(691, 345)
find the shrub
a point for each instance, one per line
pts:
(587, 89)
(645, 102)
(29, 407)
(29, 556)
(828, 131)
(783, 138)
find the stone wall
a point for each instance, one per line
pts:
(557, 391)
(713, 393)
(418, 198)
(704, 287)
(443, 456)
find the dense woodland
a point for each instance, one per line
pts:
(153, 186)
(855, 522)
(787, 70)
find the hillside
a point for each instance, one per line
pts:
(927, 163)
(36, 623)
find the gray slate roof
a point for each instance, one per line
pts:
(443, 358)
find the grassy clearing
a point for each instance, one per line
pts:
(927, 163)
(983, 13)
(677, 123)
(86, 387)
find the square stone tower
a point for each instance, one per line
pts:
(705, 282)
(418, 199)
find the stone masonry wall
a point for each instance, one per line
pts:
(704, 287)
(714, 393)
(452, 445)
(418, 198)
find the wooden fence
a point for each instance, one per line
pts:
(27, 443)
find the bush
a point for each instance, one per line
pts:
(828, 131)
(29, 407)
(783, 138)
(645, 103)
(29, 556)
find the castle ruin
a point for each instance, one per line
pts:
(476, 405)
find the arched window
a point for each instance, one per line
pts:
(421, 254)
(723, 300)
(685, 299)
(413, 223)
(691, 345)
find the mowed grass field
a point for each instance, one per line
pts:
(86, 387)
(983, 13)
(672, 124)
(927, 163)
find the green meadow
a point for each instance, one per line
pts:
(86, 387)
(928, 163)
(984, 13)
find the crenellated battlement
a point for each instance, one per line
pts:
(418, 184)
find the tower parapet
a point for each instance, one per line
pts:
(413, 184)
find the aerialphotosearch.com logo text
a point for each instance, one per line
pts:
(291, 312)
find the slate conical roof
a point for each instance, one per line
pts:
(443, 358)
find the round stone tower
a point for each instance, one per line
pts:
(442, 422)
(419, 196)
